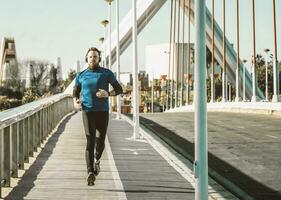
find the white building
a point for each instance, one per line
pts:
(157, 59)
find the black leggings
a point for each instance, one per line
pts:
(93, 121)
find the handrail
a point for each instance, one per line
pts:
(13, 115)
(23, 129)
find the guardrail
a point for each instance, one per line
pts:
(23, 130)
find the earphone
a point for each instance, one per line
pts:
(93, 49)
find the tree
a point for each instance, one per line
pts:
(70, 77)
(261, 69)
(12, 82)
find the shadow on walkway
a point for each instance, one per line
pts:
(221, 171)
(22, 189)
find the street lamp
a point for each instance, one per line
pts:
(109, 32)
(213, 53)
(103, 57)
(266, 74)
(244, 79)
(109, 46)
(224, 57)
(135, 70)
(188, 56)
(238, 52)
(104, 23)
(167, 80)
(118, 116)
(275, 62)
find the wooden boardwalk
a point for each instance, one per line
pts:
(129, 169)
(59, 171)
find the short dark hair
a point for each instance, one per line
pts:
(93, 49)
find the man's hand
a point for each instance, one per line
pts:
(77, 104)
(102, 93)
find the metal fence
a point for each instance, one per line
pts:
(24, 129)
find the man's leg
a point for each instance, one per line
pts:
(102, 123)
(90, 129)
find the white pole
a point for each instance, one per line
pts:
(152, 95)
(244, 80)
(229, 90)
(224, 82)
(109, 48)
(135, 72)
(105, 40)
(266, 75)
(118, 116)
(226, 89)
(254, 78)
(275, 97)
(237, 98)
(201, 156)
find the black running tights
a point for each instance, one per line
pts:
(96, 120)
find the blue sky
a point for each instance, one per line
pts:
(46, 29)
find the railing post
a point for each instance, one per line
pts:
(21, 145)
(48, 120)
(6, 157)
(34, 133)
(44, 123)
(30, 136)
(26, 139)
(14, 149)
(41, 126)
(1, 159)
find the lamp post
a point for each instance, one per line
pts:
(182, 67)
(177, 57)
(104, 23)
(103, 57)
(213, 53)
(188, 56)
(254, 97)
(135, 71)
(167, 79)
(275, 62)
(237, 98)
(173, 58)
(266, 74)
(169, 68)
(118, 116)
(244, 80)
(224, 58)
(152, 94)
(109, 47)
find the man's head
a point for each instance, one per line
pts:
(93, 56)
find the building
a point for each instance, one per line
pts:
(157, 59)
(8, 59)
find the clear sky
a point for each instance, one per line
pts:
(46, 29)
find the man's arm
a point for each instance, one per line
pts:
(117, 89)
(76, 95)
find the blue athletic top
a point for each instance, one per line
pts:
(90, 81)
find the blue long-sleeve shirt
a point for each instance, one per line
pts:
(88, 83)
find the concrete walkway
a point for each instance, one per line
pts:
(244, 149)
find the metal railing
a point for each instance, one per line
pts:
(24, 129)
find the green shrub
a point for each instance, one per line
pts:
(6, 103)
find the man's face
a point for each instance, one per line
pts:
(93, 58)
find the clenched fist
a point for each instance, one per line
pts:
(102, 93)
(77, 104)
